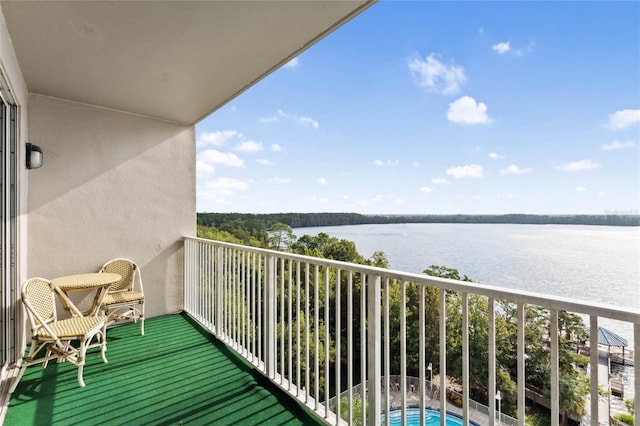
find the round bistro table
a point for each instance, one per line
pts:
(95, 281)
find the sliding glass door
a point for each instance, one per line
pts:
(8, 229)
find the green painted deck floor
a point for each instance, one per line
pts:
(177, 374)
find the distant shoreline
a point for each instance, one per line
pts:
(305, 220)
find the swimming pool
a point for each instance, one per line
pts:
(432, 418)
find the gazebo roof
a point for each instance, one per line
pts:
(609, 338)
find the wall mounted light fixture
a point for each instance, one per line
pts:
(34, 156)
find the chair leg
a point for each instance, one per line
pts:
(80, 379)
(25, 364)
(142, 319)
(14, 385)
(82, 354)
(103, 344)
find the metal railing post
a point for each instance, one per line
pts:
(270, 307)
(374, 348)
(219, 290)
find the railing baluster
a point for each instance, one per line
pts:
(270, 317)
(465, 357)
(364, 353)
(403, 350)
(261, 295)
(387, 355)
(522, 359)
(307, 332)
(350, 345)
(443, 355)
(422, 363)
(316, 332)
(298, 342)
(492, 360)
(338, 344)
(594, 364)
(636, 363)
(327, 345)
(555, 367)
(254, 330)
(243, 305)
(282, 363)
(374, 336)
(290, 321)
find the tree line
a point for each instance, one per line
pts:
(303, 220)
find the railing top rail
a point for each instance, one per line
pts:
(621, 313)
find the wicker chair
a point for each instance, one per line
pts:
(57, 336)
(125, 298)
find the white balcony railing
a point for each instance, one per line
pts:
(291, 315)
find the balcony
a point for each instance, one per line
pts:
(276, 322)
(176, 373)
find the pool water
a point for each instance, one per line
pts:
(432, 418)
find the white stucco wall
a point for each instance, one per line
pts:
(13, 77)
(112, 185)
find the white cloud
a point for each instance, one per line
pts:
(302, 120)
(512, 169)
(308, 122)
(249, 146)
(204, 169)
(470, 170)
(212, 156)
(440, 181)
(502, 47)
(218, 138)
(623, 118)
(399, 201)
(434, 75)
(322, 181)
(578, 166)
(581, 189)
(467, 111)
(391, 163)
(505, 47)
(276, 148)
(270, 119)
(292, 63)
(316, 199)
(279, 180)
(618, 145)
(226, 186)
(496, 156)
(426, 189)
(265, 162)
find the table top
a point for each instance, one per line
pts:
(85, 281)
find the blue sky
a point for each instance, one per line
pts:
(440, 108)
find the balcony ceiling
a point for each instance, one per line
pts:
(175, 60)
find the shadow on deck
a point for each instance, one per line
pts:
(178, 373)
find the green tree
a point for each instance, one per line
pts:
(216, 234)
(281, 237)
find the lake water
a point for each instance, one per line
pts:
(596, 263)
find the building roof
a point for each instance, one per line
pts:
(173, 60)
(609, 338)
